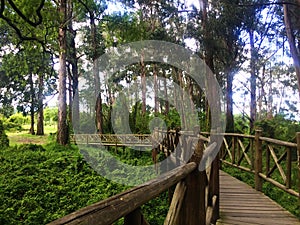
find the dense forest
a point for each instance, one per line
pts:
(53, 83)
(51, 48)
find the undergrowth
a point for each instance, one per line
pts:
(39, 184)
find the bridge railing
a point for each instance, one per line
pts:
(270, 160)
(112, 139)
(195, 199)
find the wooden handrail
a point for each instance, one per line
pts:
(279, 142)
(247, 152)
(111, 209)
(190, 205)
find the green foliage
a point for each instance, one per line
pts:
(6, 110)
(11, 126)
(15, 122)
(18, 118)
(173, 119)
(4, 142)
(241, 124)
(51, 115)
(279, 127)
(156, 209)
(39, 184)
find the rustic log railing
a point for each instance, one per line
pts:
(195, 200)
(270, 160)
(196, 196)
(113, 139)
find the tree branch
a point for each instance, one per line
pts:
(268, 4)
(38, 12)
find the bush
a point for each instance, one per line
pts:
(4, 142)
(11, 126)
(38, 185)
(18, 118)
(279, 128)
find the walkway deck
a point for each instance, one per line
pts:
(242, 205)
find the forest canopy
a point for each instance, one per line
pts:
(51, 48)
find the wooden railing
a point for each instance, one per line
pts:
(195, 200)
(196, 196)
(113, 139)
(271, 160)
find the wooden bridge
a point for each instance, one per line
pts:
(140, 140)
(204, 197)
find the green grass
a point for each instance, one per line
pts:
(23, 137)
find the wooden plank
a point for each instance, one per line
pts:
(242, 205)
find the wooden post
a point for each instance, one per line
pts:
(252, 153)
(288, 167)
(177, 147)
(175, 207)
(258, 160)
(135, 218)
(221, 154)
(233, 150)
(267, 162)
(216, 177)
(298, 153)
(193, 210)
(238, 150)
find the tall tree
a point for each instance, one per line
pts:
(292, 26)
(94, 10)
(62, 126)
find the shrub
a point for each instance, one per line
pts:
(4, 142)
(279, 128)
(18, 118)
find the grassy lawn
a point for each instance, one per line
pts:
(23, 137)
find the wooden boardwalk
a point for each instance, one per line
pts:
(240, 204)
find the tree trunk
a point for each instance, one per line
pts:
(70, 91)
(40, 114)
(143, 84)
(252, 82)
(74, 98)
(31, 129)
(292, 43)
(62, 128)
(155, 90)
(181, 102)
(261, 92)
(229, 103)
(98, 106)
(208, 55)
(167, 105)
(270, 98)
